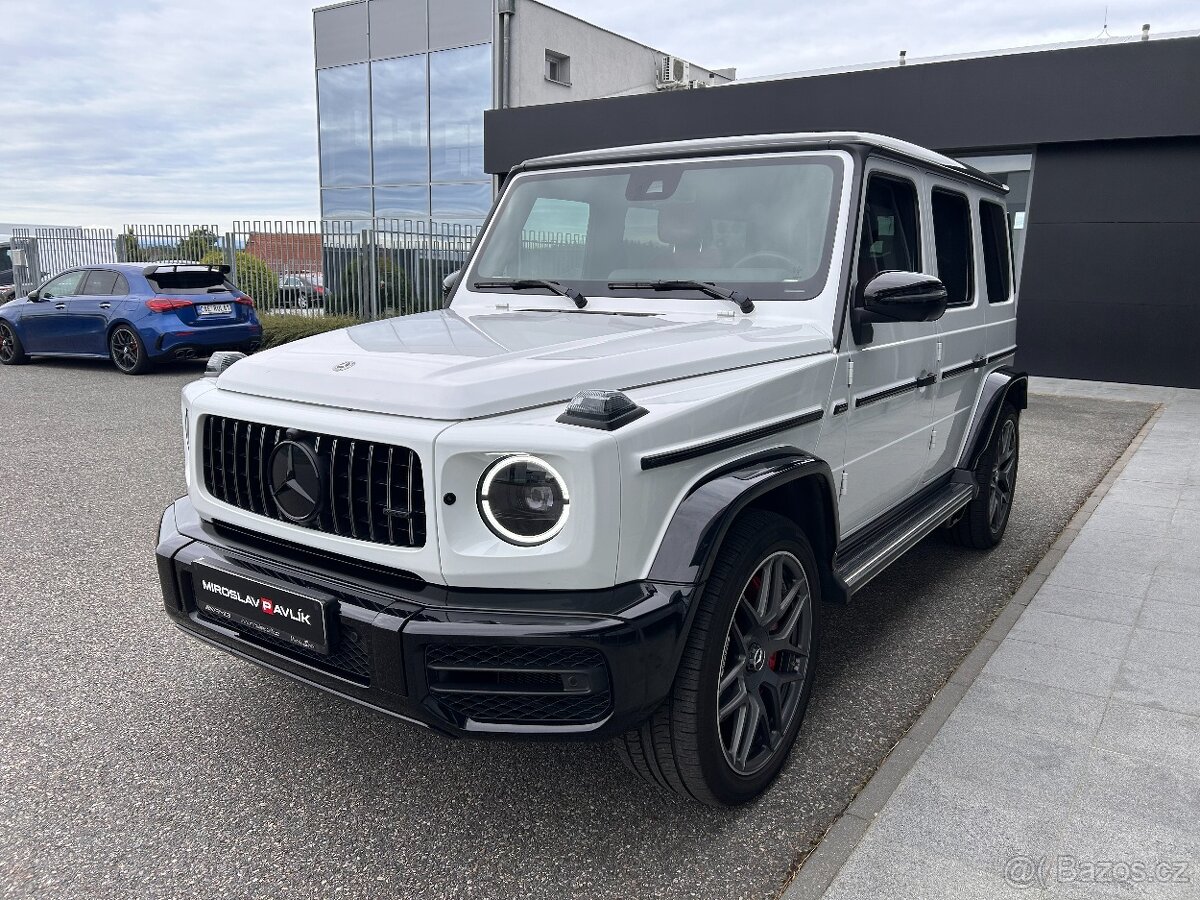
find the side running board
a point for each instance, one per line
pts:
(861, 562)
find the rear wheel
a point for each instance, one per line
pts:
(985, 519)
(127, 351)
(746, 674)
(11, 351)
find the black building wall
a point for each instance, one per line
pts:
(1108, 285)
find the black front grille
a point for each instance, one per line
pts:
(375, 490)
(515, 684)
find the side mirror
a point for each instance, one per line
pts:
(449, 282)
(35, 296)
(903, 297)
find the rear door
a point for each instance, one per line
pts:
(88, 313)
(46, 324)
(961, 331)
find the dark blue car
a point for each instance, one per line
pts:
(133, 313)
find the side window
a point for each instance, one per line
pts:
(955, 249)
(120, 287)
(99, 283)
(997, 256)
(63, 286)
(891, 234)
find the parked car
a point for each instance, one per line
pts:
(7, 292)
(608, 490)
(132, 313)
(302, 291)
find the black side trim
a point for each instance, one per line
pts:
(840, 407)
(670, 457)
(888, 393)
(996, 357)
(926, 380)
(963, 369)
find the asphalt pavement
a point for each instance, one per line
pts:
(135, 762)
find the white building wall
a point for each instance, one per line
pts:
(603, 64)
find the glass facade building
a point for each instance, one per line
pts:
(402, 86)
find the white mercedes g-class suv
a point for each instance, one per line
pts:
(680, 395)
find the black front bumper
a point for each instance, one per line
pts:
(464, 662)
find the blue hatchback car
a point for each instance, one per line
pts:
(133, 313)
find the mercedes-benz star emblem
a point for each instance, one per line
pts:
(343, 366)
(297, 481)
(756, 658)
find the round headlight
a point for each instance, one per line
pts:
(523, 499)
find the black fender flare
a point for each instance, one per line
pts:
(698, 527)
(1002, 385)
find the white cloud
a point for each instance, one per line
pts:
(180, 111)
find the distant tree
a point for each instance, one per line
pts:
(128, 249)
(196, 245)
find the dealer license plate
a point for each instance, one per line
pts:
(300, 619)
(215, 309)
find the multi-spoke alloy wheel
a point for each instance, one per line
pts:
(11, 351)
(127, 352)
(743, 682)
(1003, 475)
(764, 662)
(985, 519)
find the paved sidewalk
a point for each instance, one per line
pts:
(1070, 767)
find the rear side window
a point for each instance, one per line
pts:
(189, 281)
(997, 258)
(955, 249)
(891, 235)
(99, 284)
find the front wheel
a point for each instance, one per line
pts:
(127, 351)
(746, 674)
(12, 353)
(985, 519)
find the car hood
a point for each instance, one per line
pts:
(442, 365)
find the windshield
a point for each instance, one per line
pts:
(760, 226)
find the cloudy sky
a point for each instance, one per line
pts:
(181, 111)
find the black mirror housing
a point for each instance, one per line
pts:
(35, 296)
(903, 297)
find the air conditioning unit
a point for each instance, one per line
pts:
(674, 72)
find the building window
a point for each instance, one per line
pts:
(346, 203)
(558, 68)
(954, 246)
(461, 203)
(411, 202)
(345, 127)
(460, 89)
(401, 133)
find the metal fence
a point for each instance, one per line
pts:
(326, 268)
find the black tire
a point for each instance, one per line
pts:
(127, 351)
(12, 352)
(984, 521)
(684, 746)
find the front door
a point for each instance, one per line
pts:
(46, 323)
(890, 406)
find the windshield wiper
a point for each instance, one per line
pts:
(525, 284)
(745, 304)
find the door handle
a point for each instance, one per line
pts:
(106, 306)
(61, 306)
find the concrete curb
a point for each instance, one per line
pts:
(817, 871)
